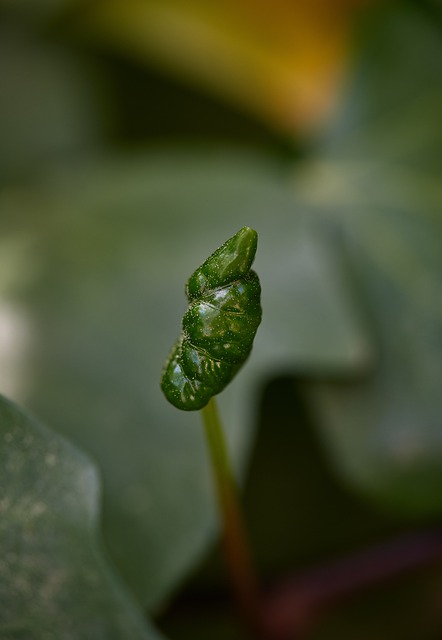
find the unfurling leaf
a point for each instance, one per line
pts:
(219, 325)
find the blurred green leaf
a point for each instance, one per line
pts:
(50, 102)
(379, 179)
(36, 13)
(99, 288)
(56, 582)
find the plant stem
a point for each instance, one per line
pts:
(295, 605)
(236, 545)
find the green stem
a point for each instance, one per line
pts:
(236, 546)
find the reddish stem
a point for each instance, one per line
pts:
(236, 546)
(292, 607)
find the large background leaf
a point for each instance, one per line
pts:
(103, 257)
(379, 179)
(51, 98)
(56, 582)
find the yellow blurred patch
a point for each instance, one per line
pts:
(283, 61)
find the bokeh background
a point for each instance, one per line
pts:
(138, 135)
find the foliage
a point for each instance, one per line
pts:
(51, 550)
(219, 325)
(94, 239)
